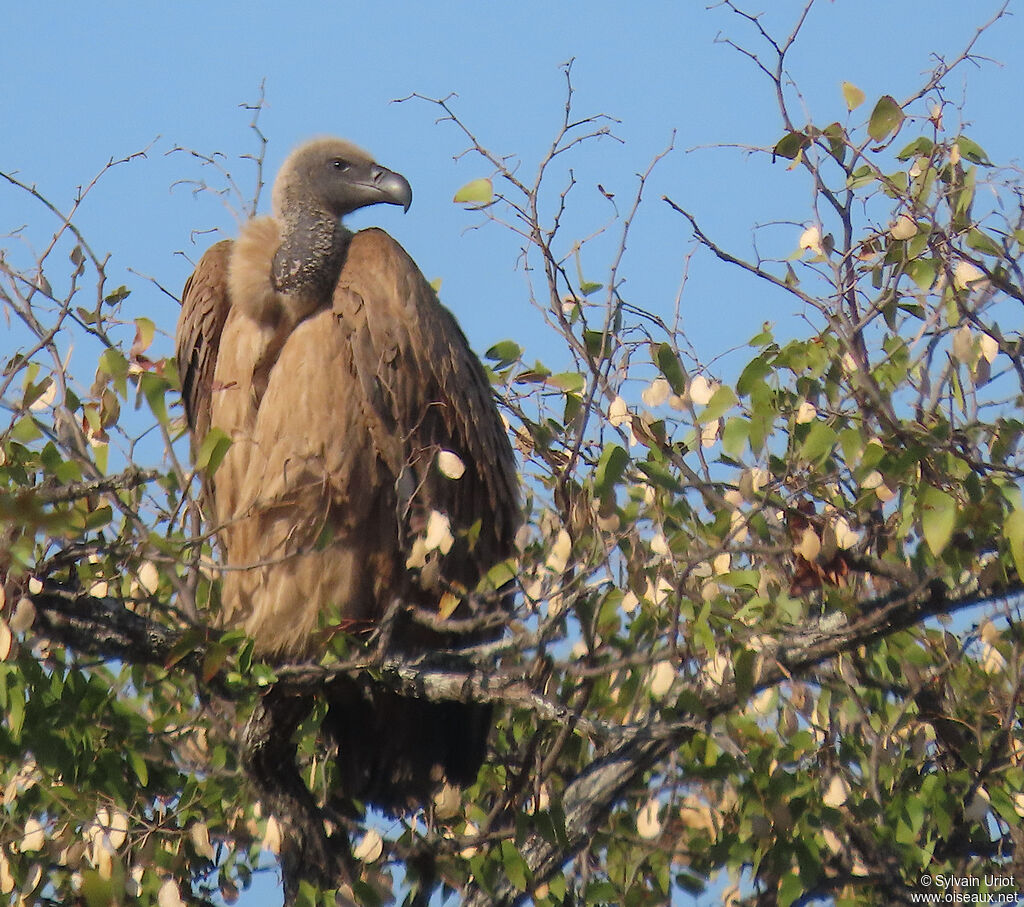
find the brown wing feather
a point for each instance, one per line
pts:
(423, 391)
(204, 309)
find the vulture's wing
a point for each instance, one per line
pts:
(204, 309)
(425, 392)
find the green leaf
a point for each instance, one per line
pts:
(886, 118)
(790, 888)
(113, 364)
(610, 468)
(212, 451)
(1013, 532)
(820, 440)
(983, 243)
(476, 192)
(790, 146)
(139, 767)
(938, 517)
(922, 271)
(921, 147)
(722, 401)
(505, 352)
(853, 96)
(499, 574)
(153, 388)
(972, 151)
(837, 141)
(118, 295)
(516, 869)
(144, 337)
(25, 430)
(570, 382)
(734, 436)
(743, 670)
(670, 366)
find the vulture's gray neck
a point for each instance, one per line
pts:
(312, 251)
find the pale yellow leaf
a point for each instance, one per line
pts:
(904, 228)
(24, 615)
(417, 558)
(657, 392)
(763, 703)
(968, 276)
(658, 594)
(149, 577)
(272, 838)
(989, 347)
(199, 834)
(7, 880)
(716, 668)
(838, 792)
(853, 96)
(1018, 804)
(659, 544)
(450, 464)
(832, 841)
(809, 545)
(34, 837)
(447, 605)
(439, 532)
(46, 398)
(6, 640)
(370, 848)
(845, 537)
(34, 586)
(663, 675)
(447, 804)
(701, 390)
(133, 884)
(992, 661)
(810, 240)
(738, 527)
(963, 344)
(618, 412)
(478, 191)
(169, 895)
(648, 825)
(630, 601)
(806, 413)
(116, 826)
(558, 556)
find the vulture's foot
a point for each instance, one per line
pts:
(268, 754)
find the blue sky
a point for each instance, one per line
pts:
(83, 83)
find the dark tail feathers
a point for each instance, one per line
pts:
(395, 752)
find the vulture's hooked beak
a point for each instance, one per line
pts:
(393, 187)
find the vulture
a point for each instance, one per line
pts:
(368, 462)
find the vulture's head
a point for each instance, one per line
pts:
(337, 177)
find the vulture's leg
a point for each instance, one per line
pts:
(268, 755)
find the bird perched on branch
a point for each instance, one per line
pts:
(368, 462)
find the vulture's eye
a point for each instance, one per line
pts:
(341, 165)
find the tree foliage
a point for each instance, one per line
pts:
(768, 616)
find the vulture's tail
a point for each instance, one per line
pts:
(395, 752)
